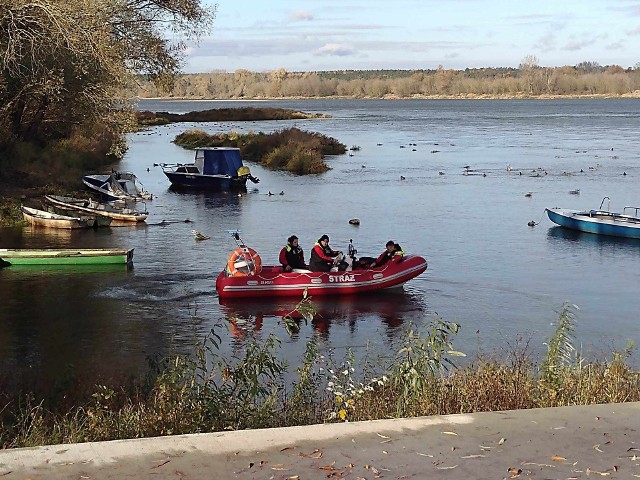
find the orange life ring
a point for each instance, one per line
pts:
(244, 262)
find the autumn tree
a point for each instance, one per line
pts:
(64, 65)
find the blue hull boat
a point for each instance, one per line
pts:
(600, 222)
(214, 168)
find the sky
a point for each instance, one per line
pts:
(314, 35)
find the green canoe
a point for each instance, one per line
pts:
(66, 257)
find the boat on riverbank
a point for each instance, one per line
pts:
(272, 281)
(214, 168)
(52, 256)
(601, 222)
(42, 218)
(117, 185)
(118, 211)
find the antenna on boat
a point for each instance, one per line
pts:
(236, 236)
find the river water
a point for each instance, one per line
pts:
(503, 281)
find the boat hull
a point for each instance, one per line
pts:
(205, 182)
(273, 282)
(119, 216)
(67, 257)
(41, 218)
(597, 222)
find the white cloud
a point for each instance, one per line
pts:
(546, 43)
(336, 49)
(635, 31)
(302, 15)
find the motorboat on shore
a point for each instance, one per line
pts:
(118, 211)
(117, 185)
(601, 222)
(246, 277)
(42, 218)
(214, 168)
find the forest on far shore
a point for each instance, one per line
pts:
(528, 80)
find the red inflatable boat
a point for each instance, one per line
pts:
(238, 281)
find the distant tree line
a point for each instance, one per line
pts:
(529, 79)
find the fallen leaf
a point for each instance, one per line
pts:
(515, 471)
(294, 477)
(62, 451)
(387, 441)
(424, 455)
(450, 433)
(316, 454)
(597, 448)
(6, 473)
(446, 468)
(502, 440)
(381, 436)
(473, 456)
(483, 447)
(163, 463)
(558, 428)
(385, 452)
(287, 448)
(327, 467)
(539, 464)
(557, 458)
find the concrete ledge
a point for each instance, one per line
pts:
(566, 442)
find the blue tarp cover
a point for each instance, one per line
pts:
(222, 162)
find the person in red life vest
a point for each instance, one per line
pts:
(292, 256)
(322, 256)
(393, 253)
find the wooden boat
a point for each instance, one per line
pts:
(214, 168)
(40, 218)
(601, 222)
(98, 220)
(117, 185)
(67, 256)
(118, 211)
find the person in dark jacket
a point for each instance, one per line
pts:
(393, 253)
(322, 256)
(292, 255)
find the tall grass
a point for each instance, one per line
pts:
(205, 392)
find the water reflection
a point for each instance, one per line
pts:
(389, 308)
(591, 238)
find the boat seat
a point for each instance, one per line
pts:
(301, 270)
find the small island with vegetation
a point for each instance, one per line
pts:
(292, 149)
(241, 114)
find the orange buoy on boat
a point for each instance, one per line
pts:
(244, 261)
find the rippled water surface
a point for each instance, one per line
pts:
(488, 271)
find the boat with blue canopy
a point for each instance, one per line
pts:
(214, 168)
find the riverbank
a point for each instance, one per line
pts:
(568, 442)
(466, 96)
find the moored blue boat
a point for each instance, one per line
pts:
(214, 168)
(600, 222)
